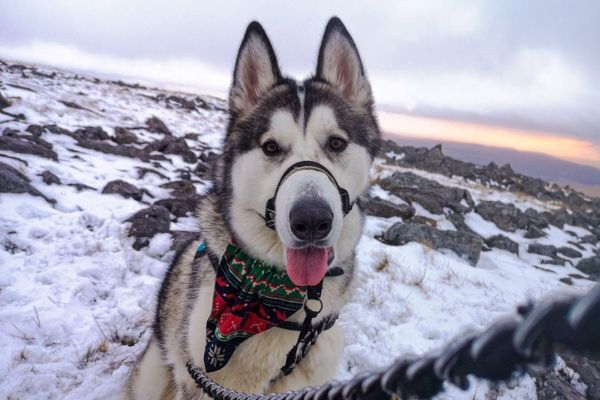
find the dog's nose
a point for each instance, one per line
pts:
(311, 219)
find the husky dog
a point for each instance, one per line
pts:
(282, 218)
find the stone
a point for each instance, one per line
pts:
(26, 144)
(542, 249)
(49, 178)
(465, 245)
(180, 207)
(171, 145)
(590, 266)
(503, 243)
(569, 252)
(506, 216)
(385, 209)
(123, 188)
(13, 181)
(124, 136)
(533, 232)
(91, 133)
(149, 221)
(155, 125)
(181, 188)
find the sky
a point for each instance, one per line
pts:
(522, 75)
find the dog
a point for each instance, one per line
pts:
(254, 301)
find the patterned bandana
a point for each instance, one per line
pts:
(249, 298)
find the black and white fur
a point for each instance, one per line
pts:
(301, 118)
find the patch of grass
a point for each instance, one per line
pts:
(93, 353)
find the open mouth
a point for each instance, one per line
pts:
(307, 266)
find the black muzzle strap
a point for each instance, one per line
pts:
(299, 166)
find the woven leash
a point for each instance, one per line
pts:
(504, 351)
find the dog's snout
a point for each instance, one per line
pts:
(311, 219)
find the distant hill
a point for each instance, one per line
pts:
(533, 164)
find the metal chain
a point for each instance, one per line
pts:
(503, 351)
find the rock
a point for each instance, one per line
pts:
(591, 239)
(49, 178)
(533, 232)
(124, 136)
(503, 243)
(123, 188)
(149, 221)
(12, 181)
(181, 188)
(465, 245)
(105, 147)
(180, 207)
(171, 145)
(535, 219)
(506, 216)
(588, 368)
(542, 249)
(155, 125)
(57, 130)
(182, 239)
(26, 144)
(4, 103)
(566, 280)
(385, 209)
(35, 130)
(458, 220)
(590, 266)
(91, 133)
(421, 220)
(569, 252)
(429, 194)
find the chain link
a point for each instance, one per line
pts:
(503, 351)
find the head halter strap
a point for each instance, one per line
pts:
(301, 166)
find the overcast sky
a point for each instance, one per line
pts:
(532, 65)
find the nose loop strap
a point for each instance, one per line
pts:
(300, 166)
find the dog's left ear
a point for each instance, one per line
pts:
(256, 70)
(339, 64)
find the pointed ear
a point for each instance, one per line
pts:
(256, 70)
(339, 64)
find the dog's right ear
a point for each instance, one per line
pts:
(256, 70)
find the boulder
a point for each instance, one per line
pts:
(569, 252)
(465, 245)
(171, 145)
(590, 266)
(11, 140)
(124, 136)
(155, 125)
(506, 216)
(148, 222)
(49, 178)
(123, 188)
(13, 181)
(385, 209)
(503, 243)
(542, 249)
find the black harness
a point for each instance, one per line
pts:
(301, 166)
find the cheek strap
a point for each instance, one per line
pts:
(301, 166)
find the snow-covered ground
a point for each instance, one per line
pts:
(77, 301)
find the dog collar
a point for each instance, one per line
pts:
(300, 166)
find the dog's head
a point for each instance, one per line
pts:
(297, 155)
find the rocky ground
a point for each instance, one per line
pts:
(111, 171)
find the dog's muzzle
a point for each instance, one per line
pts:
(303, 166)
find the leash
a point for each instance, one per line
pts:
(503, 351)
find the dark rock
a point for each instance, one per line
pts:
(149, 221)
(503, 243)
(57, 130)
(181, 188)
(35, 130)
(49, 178)
(105, 147)
(569, 252)
(143, 171)
(591, 239)
(123, 188)
(590, 266)
(429, 194)
(542, 249)
(180, 207)
(555, 261)
(81, 187)
(171, 145)
(202, 170)
(91, 133)
(465, 245)
(124, 136)
(421, 220)
(506, 216)
(385, 209)
(588, 368)
(459, 223)
(4, 103)
(533, 232)
(566, 280)
(26, 144)
(535, 219)
(12, 181)
(155, 125)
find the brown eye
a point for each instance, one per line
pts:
(337, 144)
(271, 148)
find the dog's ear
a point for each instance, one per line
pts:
(339, 64)
(256, 70)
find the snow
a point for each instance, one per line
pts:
(77, 301)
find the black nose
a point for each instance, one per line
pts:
(311, 219)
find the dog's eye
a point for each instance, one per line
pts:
(337, 144)
(271, 148)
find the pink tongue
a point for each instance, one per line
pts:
(307, 267)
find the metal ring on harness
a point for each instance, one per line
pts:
(305, 165)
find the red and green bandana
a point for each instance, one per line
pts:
(249, 298)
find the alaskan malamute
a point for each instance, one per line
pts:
(255, 300)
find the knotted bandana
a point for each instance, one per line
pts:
(249, 298)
